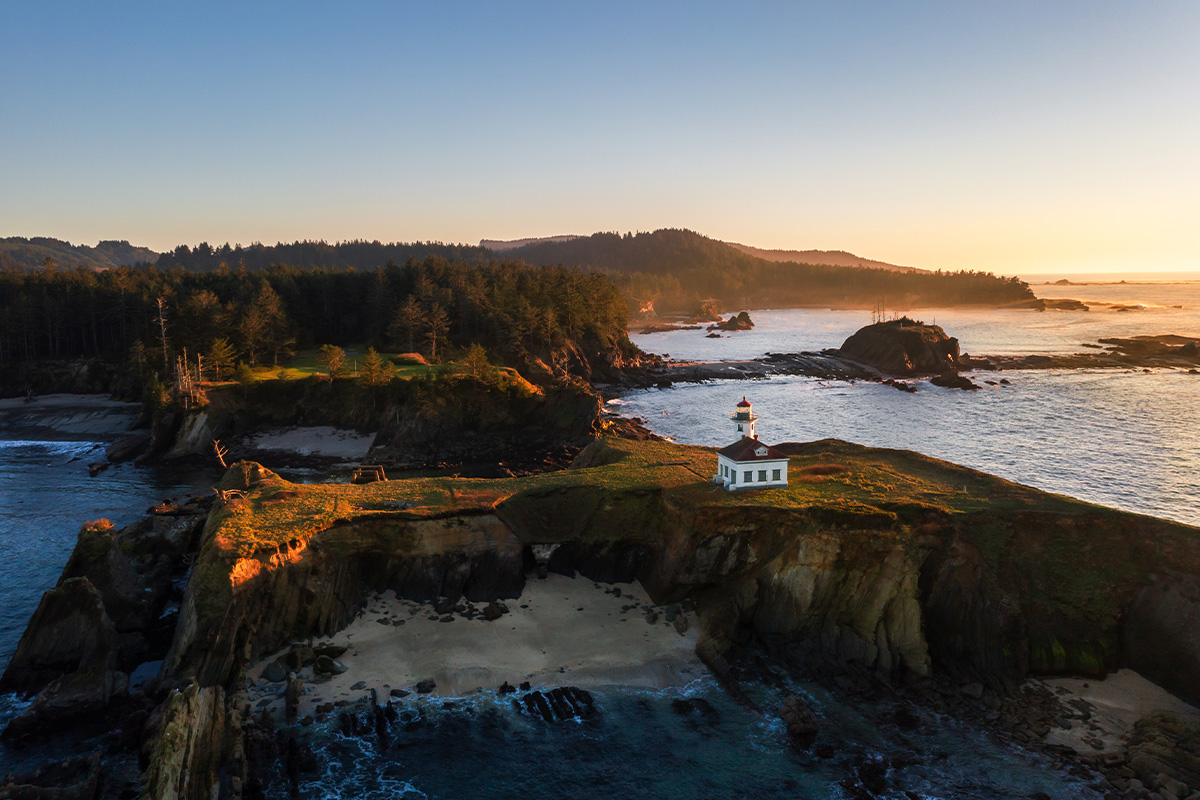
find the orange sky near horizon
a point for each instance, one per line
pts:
(1015, 138)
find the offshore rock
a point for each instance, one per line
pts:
(903, 347)
(952, 380)
(70, 632)
(738, 322)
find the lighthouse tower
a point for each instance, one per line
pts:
(748, 463)
(744, 419)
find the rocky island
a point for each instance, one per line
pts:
(903, 582)
(895, 351)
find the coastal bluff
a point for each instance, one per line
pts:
(887, 558)
(883, 561)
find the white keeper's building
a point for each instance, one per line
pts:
(748, 463)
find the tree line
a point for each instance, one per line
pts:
(676, 270)
(434, 306)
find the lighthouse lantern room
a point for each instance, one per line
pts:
(744, 419)
(748, 463)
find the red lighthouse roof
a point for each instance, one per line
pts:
(744, 404)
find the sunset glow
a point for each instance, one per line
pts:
(1017, 138)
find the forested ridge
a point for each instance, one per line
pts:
(520, 314)
(671, 270)
(40, 252)
(356, 254)
(676, 269)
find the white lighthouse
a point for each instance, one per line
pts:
(748, 463)
(744, 419)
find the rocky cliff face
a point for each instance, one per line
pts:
(1160, 635)
(878, 580)
(903, 347)
(985, 596)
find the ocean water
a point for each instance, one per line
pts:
(45, 496)
(641, 746)
(1124, 438)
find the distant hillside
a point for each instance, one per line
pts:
(674, 270)
(359, 254)
(501, 245)
(833, 258)
(17, 252)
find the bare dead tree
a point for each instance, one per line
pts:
(220, 452)
(162, 328)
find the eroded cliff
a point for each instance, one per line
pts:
(882, 561)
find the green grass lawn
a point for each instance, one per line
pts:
(834, 476)
(307, 362)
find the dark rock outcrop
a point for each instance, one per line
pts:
(75, 778)
(557, 705)
(903, 347)
(801, 724)
(193, 733)
(1161, 634)
(70, 632)
(69, 698)
(952, 380)
(738, 322)
(1165, 744)
(129, 600)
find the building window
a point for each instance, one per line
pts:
(739, 428)
(762, 476)
(748, 477)
(775, 475)
(732, 476)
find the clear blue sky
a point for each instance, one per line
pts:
(1009, 136)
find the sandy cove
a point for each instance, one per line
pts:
(561, 631)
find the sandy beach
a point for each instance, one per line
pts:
(561, 631)
(320, 440)
(1116, 703)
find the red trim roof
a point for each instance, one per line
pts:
(747, 450)
(745, 403)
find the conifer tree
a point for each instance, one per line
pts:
(221, 357)
(334, 359)
(376, 371)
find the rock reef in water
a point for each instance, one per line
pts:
(903, 347)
